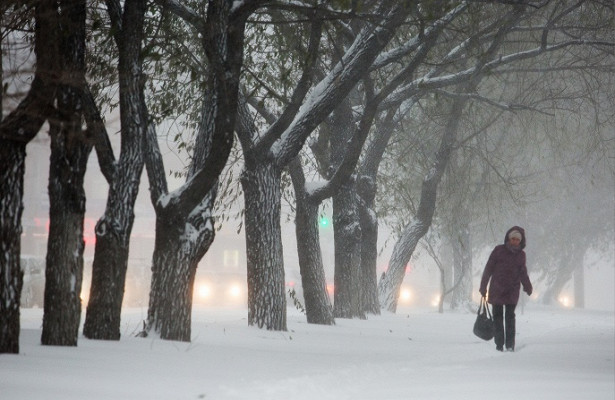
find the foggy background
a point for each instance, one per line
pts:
(226, 257)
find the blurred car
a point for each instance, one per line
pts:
(220, 288)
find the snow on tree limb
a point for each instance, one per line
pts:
(407, 48)
(338, 83)
(430, 83)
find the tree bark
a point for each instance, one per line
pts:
(347, 234)
(16, 130)
(266, 297)
(462, 259)
(69, 154)
(12, 169)
(64, 263)
(184, 224)
(175, 261)
(114, 227)
(369, 246)
(346, 229)
(366, 189)
(318, 308)
(183, 236)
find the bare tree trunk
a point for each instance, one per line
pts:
(184, 233)
(184, 224)
(69, 154)
(366, 189)
(462, 263)
(390, 283)
(16, 130)
(183, 236)
(555, 288)
(318, 308)
(12, 169)
(317, 303)
(114, 227)
(266, 297)
(579, 286)
(347, 233)
(64, 265)
(443, 291)
(346, 226)
(369, 247)
(570, 261)
(448, 278)
(102, 319)
(175, 261)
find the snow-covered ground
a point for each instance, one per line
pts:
(414, 354)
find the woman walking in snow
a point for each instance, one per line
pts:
(507, 271)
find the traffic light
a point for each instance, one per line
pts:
(324, 222)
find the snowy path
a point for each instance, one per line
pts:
(416, 354)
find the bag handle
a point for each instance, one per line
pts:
(485, 305)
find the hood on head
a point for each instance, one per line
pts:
(521, 230)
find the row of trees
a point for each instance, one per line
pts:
(320, 96)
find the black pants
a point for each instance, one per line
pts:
(504, 336)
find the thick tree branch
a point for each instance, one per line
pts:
(355, 145)
(184, 12)
(223, 43)
(23, 123)
(154, 165)
(336, 85)
(114, 10)
(98, 131)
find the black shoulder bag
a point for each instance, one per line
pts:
(484, 327)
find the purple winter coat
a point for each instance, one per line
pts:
(507, 271)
